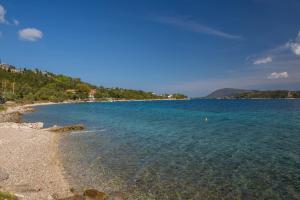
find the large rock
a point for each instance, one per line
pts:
(89, 194)
(63, 129)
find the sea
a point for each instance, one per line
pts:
(185, 149)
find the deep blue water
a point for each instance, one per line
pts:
(247, 149)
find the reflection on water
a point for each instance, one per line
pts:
(246, 149)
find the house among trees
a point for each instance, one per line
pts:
(293, 94)
(35, 85)
(8, 68)
(71, 91)
(92, 94)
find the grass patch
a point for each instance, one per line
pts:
(7, 196)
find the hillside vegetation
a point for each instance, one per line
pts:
(227, 92)
(36, 85)
(275, 94)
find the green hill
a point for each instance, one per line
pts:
(271, 94)
(232, 93)
(227, 92)
(36, 85)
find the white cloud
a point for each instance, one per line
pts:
(295, 45)
(194, 26)
(263, 60)
(277, 75)
(2, 14)
(30, 34)
(3, 19)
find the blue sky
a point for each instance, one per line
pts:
(186, 46)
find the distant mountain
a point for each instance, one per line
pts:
(232, 93)
(228, 93)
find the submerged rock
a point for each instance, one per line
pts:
(93, 194)
(63, 129)
(75, 197)
(89, 194)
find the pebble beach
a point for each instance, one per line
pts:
(29, 165)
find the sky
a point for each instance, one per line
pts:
(187, 46)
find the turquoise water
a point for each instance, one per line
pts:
(247, 149)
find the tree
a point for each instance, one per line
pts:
(37, 85)
(83, 90)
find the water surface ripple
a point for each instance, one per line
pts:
(247, 149)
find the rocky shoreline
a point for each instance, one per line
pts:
(30, 167)
(14, 114)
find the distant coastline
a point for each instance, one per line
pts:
(233, 98)
(26, 85)
(233, 93)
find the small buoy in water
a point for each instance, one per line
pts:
(205, 119)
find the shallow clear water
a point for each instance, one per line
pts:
(247, 149)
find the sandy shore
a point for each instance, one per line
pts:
(29, 164)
